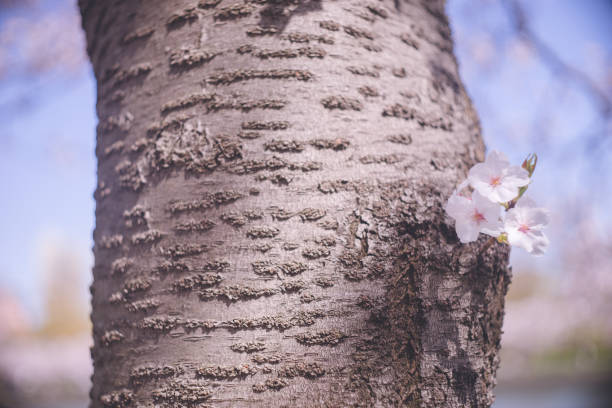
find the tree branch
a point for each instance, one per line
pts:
(552, 59)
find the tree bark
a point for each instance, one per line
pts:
(269, 223)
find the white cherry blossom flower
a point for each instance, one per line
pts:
(496, 179)
(524, 224)
(473, 216)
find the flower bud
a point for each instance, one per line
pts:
(530, 163)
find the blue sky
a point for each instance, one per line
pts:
(524, 106)
(47, 166)
(48, 169)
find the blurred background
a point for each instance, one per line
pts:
(540, 75)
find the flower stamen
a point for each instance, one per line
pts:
(478, 217)
(524, 228)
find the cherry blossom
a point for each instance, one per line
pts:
(473, 216)
(492, 185)
(523, 226)
(496, 179)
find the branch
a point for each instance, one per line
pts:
(550, 57)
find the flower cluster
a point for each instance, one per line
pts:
(494, 185)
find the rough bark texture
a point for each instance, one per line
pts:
(270, 226)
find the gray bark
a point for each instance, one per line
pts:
(269, 223)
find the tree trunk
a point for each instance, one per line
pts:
(270, 226)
